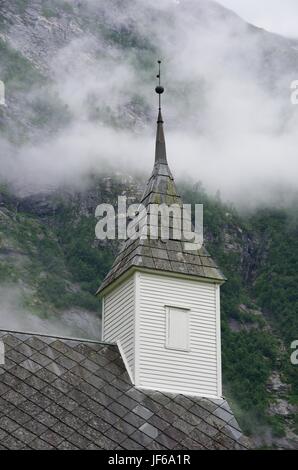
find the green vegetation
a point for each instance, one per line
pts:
(52, 8)
(48, 12)
(49, 271)
(57, 256)
(16, 71)
(86, 261)
(21, 6)
(280, 294)
(45, 109)
(248, 359)
(48, 111)
(250, 355)
(66, 7)
(276, 284)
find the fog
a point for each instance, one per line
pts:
(229, 119)
(73, 323)
(228, 116)
(273, 15)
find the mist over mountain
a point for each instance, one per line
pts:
(78, 129)
(79, 89)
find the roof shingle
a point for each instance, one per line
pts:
(81, 407)
(169, 250)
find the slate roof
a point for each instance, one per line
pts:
(170, 255)
(72, 394)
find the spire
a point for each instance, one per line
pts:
(160, 146)
(139, 253)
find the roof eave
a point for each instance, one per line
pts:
(132, 269)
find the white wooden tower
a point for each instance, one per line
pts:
(161, 303)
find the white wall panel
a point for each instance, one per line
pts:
(196, 371)
(119, 320)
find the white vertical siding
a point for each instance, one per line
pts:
(119, 320)
(195, 372)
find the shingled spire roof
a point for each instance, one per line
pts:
(160, 147)
(159, 254)
(160, 187)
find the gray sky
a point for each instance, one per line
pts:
(279, 16)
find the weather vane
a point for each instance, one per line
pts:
(159, 89)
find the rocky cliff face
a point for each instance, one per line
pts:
(67, 64)
(75, 68)
(51, 265)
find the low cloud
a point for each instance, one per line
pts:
(228, 116)
(73, 323)
(272, 15)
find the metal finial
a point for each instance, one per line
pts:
(159, 89)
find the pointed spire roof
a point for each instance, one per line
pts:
(160, 145)
(159, 254)
(160, 187)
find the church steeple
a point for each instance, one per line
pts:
(161, 298)
(161, 189)
(160, 146)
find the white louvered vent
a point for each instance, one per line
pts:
(177, 328)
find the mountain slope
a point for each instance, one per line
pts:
(51, 266)
(77, 71)
(79, 81)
